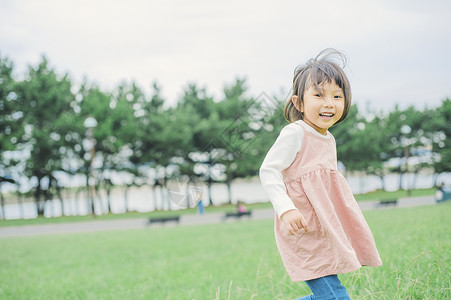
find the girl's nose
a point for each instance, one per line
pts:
(328, 102)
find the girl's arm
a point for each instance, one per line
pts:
(278, 158)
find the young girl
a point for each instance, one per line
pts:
(319, 228)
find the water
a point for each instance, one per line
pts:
(144, 199)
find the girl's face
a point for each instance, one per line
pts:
(322, 107)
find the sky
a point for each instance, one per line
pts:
(398, 50)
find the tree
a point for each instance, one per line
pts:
(92, 102)
(440, 131)
(162, 137)
(344, 134)
(361, 142)
(126, 130)
(405, 134)
(374, 141)
(11, 115)
(11, 124)
(45, 99)
(116, 132)
(272, 123)
(238, 127)
(11, 120)
(196, 111)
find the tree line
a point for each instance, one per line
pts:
(140, 138)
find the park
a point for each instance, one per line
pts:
(224, 260)
(213, 146)
(151, 149)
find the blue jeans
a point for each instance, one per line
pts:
(326, 288)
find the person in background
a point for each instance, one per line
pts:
(240, 207)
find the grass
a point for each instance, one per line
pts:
(414, 245)
(235, 260)
(377, 195)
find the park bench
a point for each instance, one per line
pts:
(388, 202)
(237, 215)
(164, 219)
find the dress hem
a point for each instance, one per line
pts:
(297, 279)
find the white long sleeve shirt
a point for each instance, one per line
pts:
(279, 157)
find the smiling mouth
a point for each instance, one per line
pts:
(327, 115)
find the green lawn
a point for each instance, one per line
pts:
(234, 260)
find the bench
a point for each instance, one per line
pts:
(237, 215)
(164, 219)
(388, 202)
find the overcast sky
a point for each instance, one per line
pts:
(398, 50)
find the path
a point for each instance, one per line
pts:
(141, 223)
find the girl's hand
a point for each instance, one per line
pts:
(294, 221)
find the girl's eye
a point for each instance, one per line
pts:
(337, 97)
(317, 95)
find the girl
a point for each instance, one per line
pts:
(320, 230)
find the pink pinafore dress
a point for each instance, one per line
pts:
(338, 238)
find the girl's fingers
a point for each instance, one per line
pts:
(304, 224)
(299, 224)
(292, 230)
(295, 223)
(295, 226)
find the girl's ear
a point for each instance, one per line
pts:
(295, 101)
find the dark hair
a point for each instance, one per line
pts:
(316, 71)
